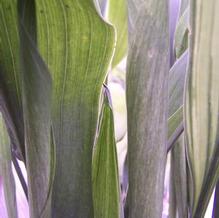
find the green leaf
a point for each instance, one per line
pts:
(177, 76)
(118, 17)
(105, 178)
(77, 46)
(36, 99)
(181, 34)
(10, 89)
(6, 171)
(202, 105)
(179, 177)
(147, 106)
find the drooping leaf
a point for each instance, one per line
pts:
(202, 104)
(105, 178)
(118, 17)
(181, 34)
(10, 89)
(77, 46)
(6, 171)
(147, 95)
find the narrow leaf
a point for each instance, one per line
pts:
(177, 76)
(202, 104)
(6, 171)
(181, 34)
(118, 17)
(179, 177)
(105, 178)
(147, 104)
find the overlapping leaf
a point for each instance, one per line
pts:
(179, 178)
(36, 98)
(177, 76)
(147, 95)
(77, 45)
(181, 34)
(10, 91)
(105, 178)
(6, 171)
(202, 104)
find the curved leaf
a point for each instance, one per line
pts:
(10, 87)
(147, 90)
(36, 98)
(202, 104)
(177, 76)
(181, 34)
(105, 178)
(77, 45)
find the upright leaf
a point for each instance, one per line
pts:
(6, 171)
(36, 102)
(118, 17)
(105, 178)
(181, 34)
(10, 90)
(147, 104)
(202, 104)
(77, 45)
(179, 177)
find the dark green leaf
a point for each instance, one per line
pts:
(10, 90)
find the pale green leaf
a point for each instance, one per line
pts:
(118, 17)
(181, 34)
(6, 171)
(177, 76)
(202, 104)
(147, 106)
(105, 178)
(77, 45)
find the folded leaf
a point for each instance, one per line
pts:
(147, 106)
(77, 46)
(202, 104)
(105, 178)
(6, 171)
